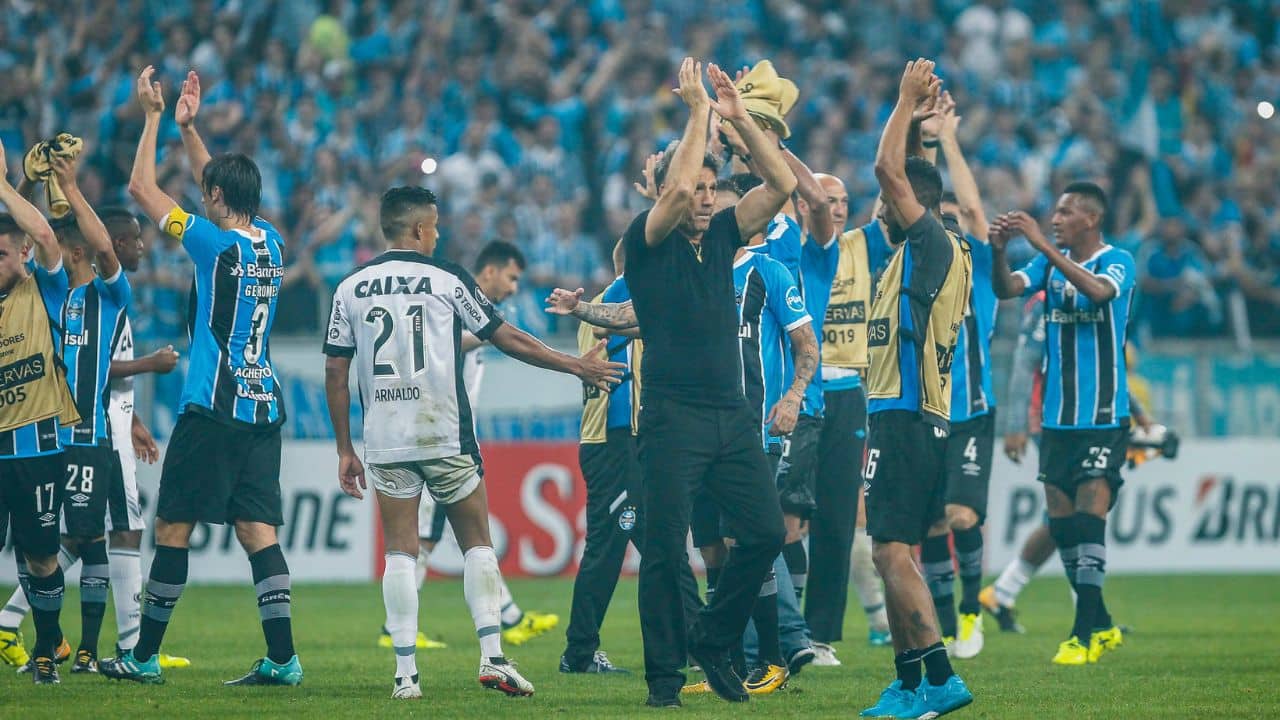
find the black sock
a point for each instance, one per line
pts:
(798, 565)
(765, 615)
(908, 666)
(937, 666)
(1064, 533)
(164, 587)
(969, 558)
(713, 577)
(940, 575)
(271, 581)
(45, 596)
(95, 583)
(1091, 570)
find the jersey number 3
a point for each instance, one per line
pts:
(382, 319)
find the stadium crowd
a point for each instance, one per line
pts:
(535, 118)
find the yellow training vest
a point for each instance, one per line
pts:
(33, 386)
(595, 402)
(941, 318)
(844, 330)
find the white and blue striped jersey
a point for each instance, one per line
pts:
(238, 274)
(93, 319)
(1085, 374)
(972, 394)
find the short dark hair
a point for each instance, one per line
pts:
(1091, 192)
(9, 226)
(115, 217)
(926, 182)
(949, 196)
(401, 204)
(239, 179)
(68, 231)
(709, 161)
(742, 183)
(499, 253)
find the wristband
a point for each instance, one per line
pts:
(931, 143)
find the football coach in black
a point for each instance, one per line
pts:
(696, 431)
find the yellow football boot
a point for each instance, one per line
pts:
(1103, 641)
(1071, 652)
(765, 680)
(12, 651)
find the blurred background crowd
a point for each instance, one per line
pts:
(534, 119)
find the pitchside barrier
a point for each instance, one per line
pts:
(1214, 509)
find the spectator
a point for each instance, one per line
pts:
(1174, 278)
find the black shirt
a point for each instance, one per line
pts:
(687, 312)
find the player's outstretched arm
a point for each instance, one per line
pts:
(160, 362)
(612, 316)
(591, 368)
(1094, 287)
(64, 169)
(676, 193)
(917, 86)
(821, 225)
(337, 395)
(142, 181)
(973, 219)
(30, 219)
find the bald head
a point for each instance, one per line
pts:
(837, 198)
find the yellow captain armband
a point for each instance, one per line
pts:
(176, 223)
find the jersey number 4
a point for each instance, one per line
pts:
(382, 319)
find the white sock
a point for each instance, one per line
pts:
(1013, 578)
(511, 612)
(17, 607)
(401, 601)
(483, 587)
(126, 591)
(866, 581)
(420, 572)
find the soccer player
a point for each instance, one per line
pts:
(971, 441)
(1088, 290)
(919, 304)
(401, 317)
(132, 441)
(37, 402)
(838, 542)
(611, 471)
(497, 273)
(223, 460)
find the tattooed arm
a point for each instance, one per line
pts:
(804, 353)
(614, 316)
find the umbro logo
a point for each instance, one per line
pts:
(47, 519)
(80, 499)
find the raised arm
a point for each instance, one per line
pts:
(184, 113)
(1093, 287)
(973, 219)
(676, 192)
(1003, 280)
(757, 208)
(528, 349)
(821, 226)
(142, 181)
(612, 316)
(30, 219)
(95, 233)
(918, 83)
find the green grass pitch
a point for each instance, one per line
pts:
(1202, 647)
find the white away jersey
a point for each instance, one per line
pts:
(120, 398)
(401, 317)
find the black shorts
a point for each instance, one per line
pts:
(798, 469)
(87, 473)
(1070, 458)
(969, 449)
(31, 493)
(904, 476)
(216, 473)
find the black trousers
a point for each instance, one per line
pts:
(686, 449)
(844, 433)
(614, 491)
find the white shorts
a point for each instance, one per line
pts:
(448, 480)
(124, 510)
